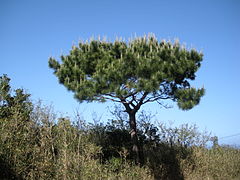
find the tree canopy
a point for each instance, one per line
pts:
(132, 72)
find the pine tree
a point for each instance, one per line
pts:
(133, 73)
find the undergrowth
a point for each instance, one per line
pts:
(35, 143)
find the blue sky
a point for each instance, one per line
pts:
(32, 31)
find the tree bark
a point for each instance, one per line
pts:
(137, 150)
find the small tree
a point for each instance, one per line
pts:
(133, 73)
(17, 134)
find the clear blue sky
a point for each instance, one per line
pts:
(32, 31)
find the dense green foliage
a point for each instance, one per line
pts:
(135, 72)
(36, 144)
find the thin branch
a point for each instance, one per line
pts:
(131, 94)
(107, 94)
(141, 101)
(166, 106)
(103, 97)
(156, 98)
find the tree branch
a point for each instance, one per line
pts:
(141, 101)
(152, 99)
(111, 97)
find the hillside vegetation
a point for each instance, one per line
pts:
(35, 143)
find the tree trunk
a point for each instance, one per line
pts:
(134, 137)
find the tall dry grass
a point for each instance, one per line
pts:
(35, 143)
